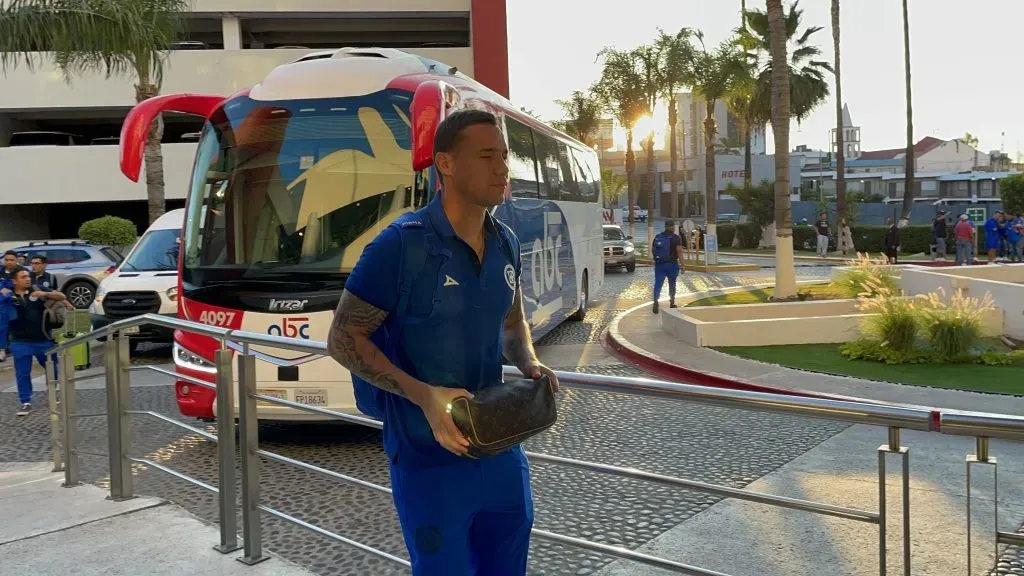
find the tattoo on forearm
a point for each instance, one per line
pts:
(350, 345)
(517, 345)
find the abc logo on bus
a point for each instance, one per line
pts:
(291, 328)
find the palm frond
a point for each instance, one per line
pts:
(116, 37)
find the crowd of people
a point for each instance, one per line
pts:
(25, 322)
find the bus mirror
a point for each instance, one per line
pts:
(426, 109)
(136, 125)
(430, 105)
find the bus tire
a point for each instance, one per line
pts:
(581, 312)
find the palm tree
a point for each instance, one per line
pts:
(677, 71)
(808, 85)
(908, 162)
(785, 274)
(712, 79)
(612, 185)
(650, 58)
(582, 116)
(620, 89)
(117, 37)
(840, 125)
(740, 101)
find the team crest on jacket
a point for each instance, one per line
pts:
(510, 276)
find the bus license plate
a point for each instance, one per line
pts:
(314, 397)
(282, 394)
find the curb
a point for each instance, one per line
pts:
(703, 268)
(621, 348)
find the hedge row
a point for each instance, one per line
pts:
(913, 239)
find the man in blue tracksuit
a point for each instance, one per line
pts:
(443, 287)
(667, 250)
(7, 271)
(29, 338)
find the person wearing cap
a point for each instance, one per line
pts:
(667, 250)
(963, 232)
(995, 233)
(939, 235)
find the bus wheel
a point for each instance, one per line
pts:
(581, 312)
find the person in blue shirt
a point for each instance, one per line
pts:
(29, 338)
(446, 324)
(44, 280)
(667, 249)
(995, 233)
(7, 272)
(1015, 236)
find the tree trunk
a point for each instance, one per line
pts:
(840, 125)
(673, 118)
(652, 167)
(710, 188)
(154, 157)
(748, 160)
(909, 164)
(630, 192)
(785, 273)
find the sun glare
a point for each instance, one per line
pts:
(658, 124)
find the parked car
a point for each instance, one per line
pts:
(78, 266)
(145, 283)
(639, 214)
(618, 249)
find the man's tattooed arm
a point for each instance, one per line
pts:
(350, 345)
(517, 344)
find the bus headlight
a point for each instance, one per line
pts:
(192, 361)
(172, 294)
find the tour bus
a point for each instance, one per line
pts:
(294, 176)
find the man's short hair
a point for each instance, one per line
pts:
(19, 271)
(448, 132)
(10, 253)
(39, 257)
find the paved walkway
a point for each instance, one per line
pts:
(51, 530)
(753, 539)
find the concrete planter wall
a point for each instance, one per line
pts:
(815, 322)
(1005, 282)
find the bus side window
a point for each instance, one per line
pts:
(522, 164)
(547, 165)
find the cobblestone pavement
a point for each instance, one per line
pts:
(716, 445)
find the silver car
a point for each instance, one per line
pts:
(618, 249)
(78, 266)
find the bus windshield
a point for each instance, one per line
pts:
(292, 191)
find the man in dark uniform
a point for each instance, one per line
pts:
(29, 339)
(667, 249)
(44, 280)
(449, 321)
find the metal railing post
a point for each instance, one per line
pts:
(893, 447)
(247, 420)
(226, 452)
(981, 457)
(52, 405)
(117, 361)
(67, 390)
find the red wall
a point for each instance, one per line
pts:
(490, 44)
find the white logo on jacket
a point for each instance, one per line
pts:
(510, 276)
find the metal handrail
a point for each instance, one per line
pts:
(915, 418)
(236, 344)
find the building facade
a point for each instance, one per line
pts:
(58, 140)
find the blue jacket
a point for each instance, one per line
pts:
(8, 312)
(1012, 235)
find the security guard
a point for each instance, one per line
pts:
(442, 286)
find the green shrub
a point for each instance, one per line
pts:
(109, 230)
(867, 277)
(953, 328)
(875, 351)
(725, 232)
(749, 234)
(894, 321)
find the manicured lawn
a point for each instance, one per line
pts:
(826, 358)
(761, 295)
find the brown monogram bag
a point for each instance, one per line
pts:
(499, 417)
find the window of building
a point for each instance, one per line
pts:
(522, 164)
